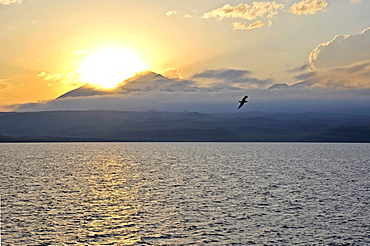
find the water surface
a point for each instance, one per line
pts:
(185, 194)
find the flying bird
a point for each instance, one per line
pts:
(243, 101)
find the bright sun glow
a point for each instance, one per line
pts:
(109, 67)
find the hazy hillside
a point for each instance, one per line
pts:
(183, 126)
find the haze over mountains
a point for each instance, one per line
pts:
(209, 91)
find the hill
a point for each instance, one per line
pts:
(182, 126)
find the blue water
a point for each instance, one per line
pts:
(185, 194)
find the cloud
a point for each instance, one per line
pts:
(218, 90)
(246, 11)
(343, 62)
(342, 50)
(308, 7)
(298, 100)
(171, 12)
(4, 84)
(7, 2)
(229, 74)
(188, 16)
(240, 26)
(149, 81)
(305, 76)
(230, 78)
(68, 80)
(298, 69)
(50, 76)
(172, 73)
(206, 81)
(353, 76)
(355, 1)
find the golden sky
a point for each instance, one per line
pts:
(51, 47)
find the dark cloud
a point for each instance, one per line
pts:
(298, 69)
(354, 76)
(230, 78)
(220, 74)
(360, 67)
(305, 76)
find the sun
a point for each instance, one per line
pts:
(109, 67)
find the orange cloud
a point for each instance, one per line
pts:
(4, 84)
(66, 80)
(172, 73)
(50, 76)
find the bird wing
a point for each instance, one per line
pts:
(244, 100)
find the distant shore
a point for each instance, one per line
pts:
(157, 126)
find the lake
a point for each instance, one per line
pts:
(185, 194)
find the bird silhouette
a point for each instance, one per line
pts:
(243, 101)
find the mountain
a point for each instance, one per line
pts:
(279, 86)
(182, 126)
(85, 91)
(142, 81)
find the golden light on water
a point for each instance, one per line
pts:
(109, 67)
(110, 204)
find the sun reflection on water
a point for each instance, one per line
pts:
(112, 205)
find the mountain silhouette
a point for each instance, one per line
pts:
(104, 125)
(141, 81)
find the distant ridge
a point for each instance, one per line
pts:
(104, 125)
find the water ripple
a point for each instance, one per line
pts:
(185, 194)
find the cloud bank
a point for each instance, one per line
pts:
(227, 78)
(288, 100)
(343, 62)
(212, 91)
(342, 50)
(354, 76)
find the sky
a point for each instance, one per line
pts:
(212, 51)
